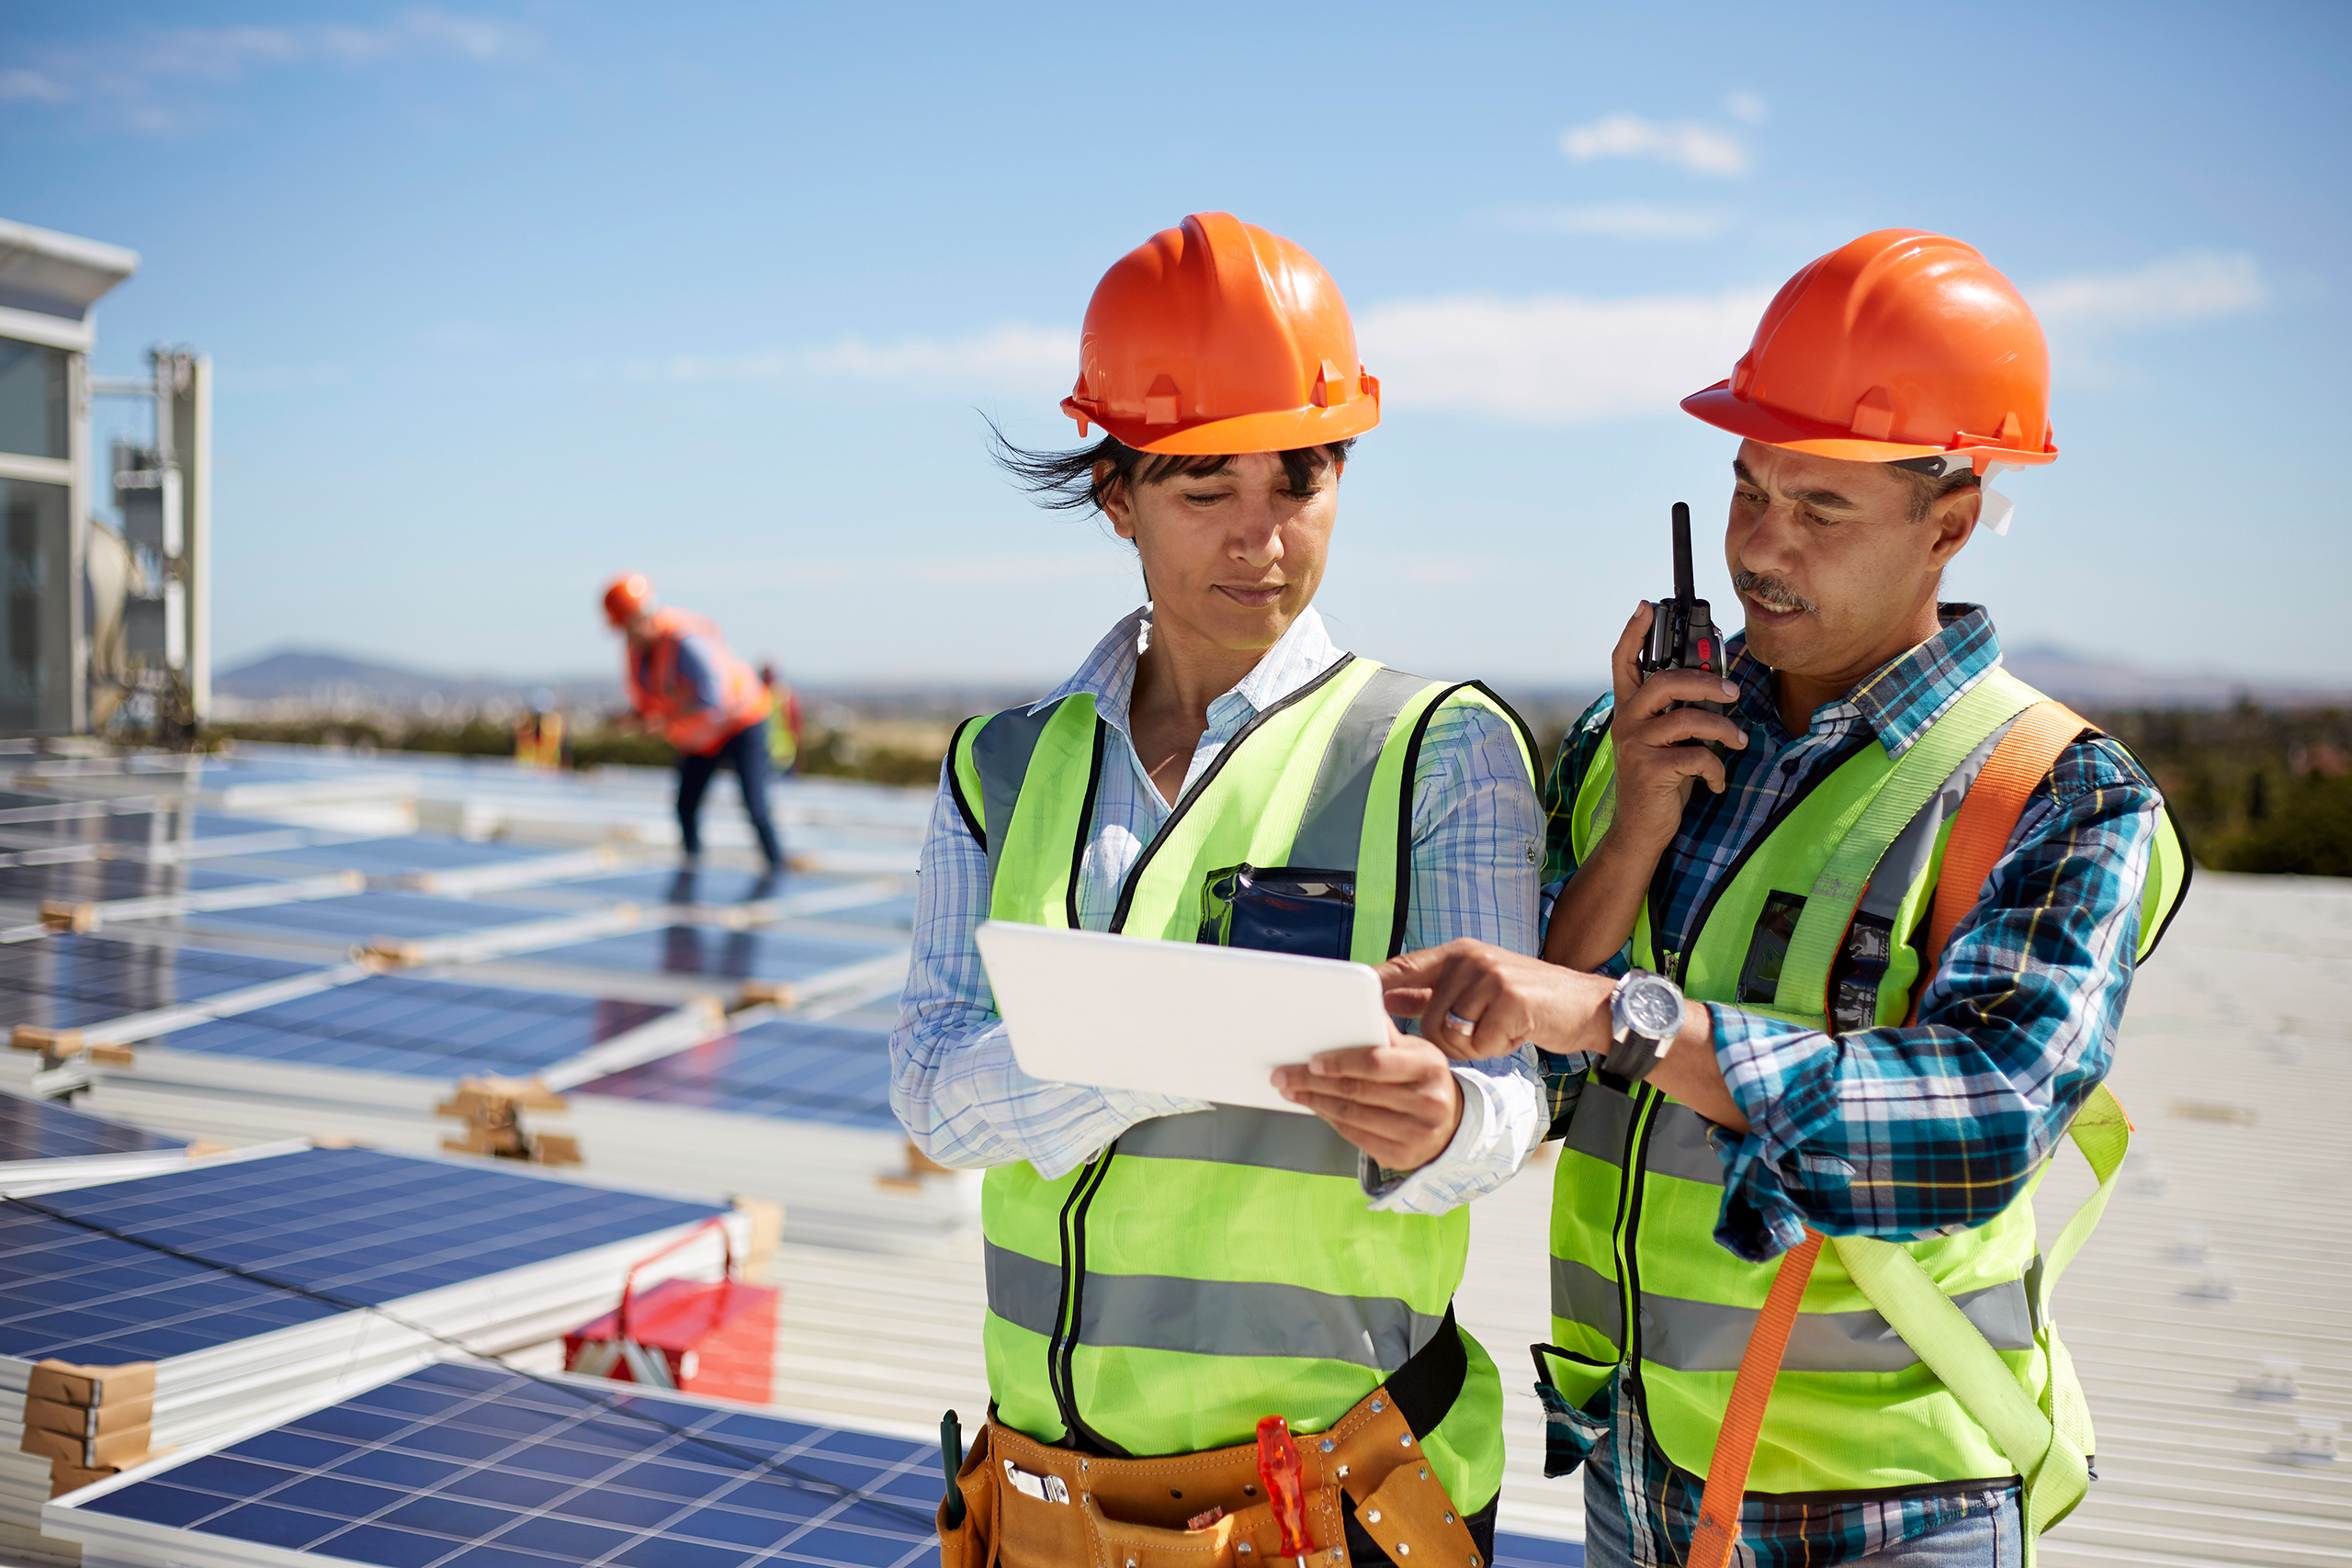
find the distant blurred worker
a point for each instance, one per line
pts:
(539, 738)
(784, 722)
(684, 685)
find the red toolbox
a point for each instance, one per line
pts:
(703, 1336)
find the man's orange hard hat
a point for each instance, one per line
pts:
(1899, 344)
(627, 596)
(1217, 337)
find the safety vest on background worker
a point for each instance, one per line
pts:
(1212, 1269)
(784, 728)
(659, 692)
(538, 740)
(1853, 1407)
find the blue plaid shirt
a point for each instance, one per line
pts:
(1902, 1132)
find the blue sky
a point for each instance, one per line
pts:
(508, 297)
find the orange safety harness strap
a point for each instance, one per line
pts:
(1979, 836)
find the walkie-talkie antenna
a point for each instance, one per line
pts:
(1685, 587)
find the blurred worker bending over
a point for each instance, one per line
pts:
(539, 738)
(686, 686)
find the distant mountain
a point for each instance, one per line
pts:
(306, 677)
(2088, 682)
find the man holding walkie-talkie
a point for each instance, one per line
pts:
(1814, 1028)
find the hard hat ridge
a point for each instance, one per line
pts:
(1217, 337)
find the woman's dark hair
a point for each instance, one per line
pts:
(1068, 481)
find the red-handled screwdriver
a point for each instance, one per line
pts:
(1286, 1493)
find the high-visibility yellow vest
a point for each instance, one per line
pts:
(1209, 1269)
(1638, 1277)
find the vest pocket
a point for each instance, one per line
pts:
(1281, 908)
(1577, 1395)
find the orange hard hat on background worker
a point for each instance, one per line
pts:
(1900, 346)
(1217, 337)
(628, 597)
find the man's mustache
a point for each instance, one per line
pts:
(1771, 591)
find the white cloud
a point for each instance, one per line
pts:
(1691, 145)
(2196, 285)
(1556, 359)
(1016, 355)
(132, 80)
(1622, 220)
(1746, 106)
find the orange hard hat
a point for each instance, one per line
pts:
(1899, 344)
(627, 596)
(1218, 336)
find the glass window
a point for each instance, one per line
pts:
(32, 399)
(34, 655)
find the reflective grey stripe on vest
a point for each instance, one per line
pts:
(1678, 1145)
(1588, 1296)
(1001, 753)
(1210, 1317)
(1906, 859)
(1701, 1337)
(1233, 1135)
(1331, 833)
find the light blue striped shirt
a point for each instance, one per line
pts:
(1477, 839)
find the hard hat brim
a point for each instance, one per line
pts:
(1724, 409)
(1283, 430)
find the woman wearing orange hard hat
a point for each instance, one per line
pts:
(1819, 1025)
(1164, 1273)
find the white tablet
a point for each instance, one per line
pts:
(1173, 1016)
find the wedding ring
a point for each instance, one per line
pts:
(1461, 1025)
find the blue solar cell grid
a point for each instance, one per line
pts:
(475, 1467)
(360, 1224)
(835, 1071)
(356, 916)
(770, 954)
(66, 981)
(399, 856)
(392, 1023)
(45, 1129)
(703, 884)
(1536, 1552)
(97, 881)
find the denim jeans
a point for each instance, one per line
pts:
(746, 751)
(1993, 1538)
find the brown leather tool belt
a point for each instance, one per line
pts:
(1032, 1505)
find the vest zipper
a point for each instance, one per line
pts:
(1629, 1221)
(1062, 1349)
(1216, 765)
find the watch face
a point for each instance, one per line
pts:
(1652, 1006)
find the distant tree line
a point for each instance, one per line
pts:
(2255, 789)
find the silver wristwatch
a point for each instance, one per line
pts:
(1645, 1015)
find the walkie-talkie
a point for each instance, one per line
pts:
(1682, 629)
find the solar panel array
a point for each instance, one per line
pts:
(838, 1071)
(67, 981)
(45, 1129)
(420, 1027)
(472, 1467)
(358, 1224)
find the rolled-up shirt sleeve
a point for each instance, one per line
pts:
(954, 1081)
(1914, 1130)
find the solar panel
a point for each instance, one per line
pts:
(896, 913)
(807, 1072)
(477, 1467)
(1536, 1552)
(357, 917)
(44, 1129)
(97, 881)
(360, 1224)
(775, 953)
(393, 1023)
(706, 885)
(407, 854)
(65, 982)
